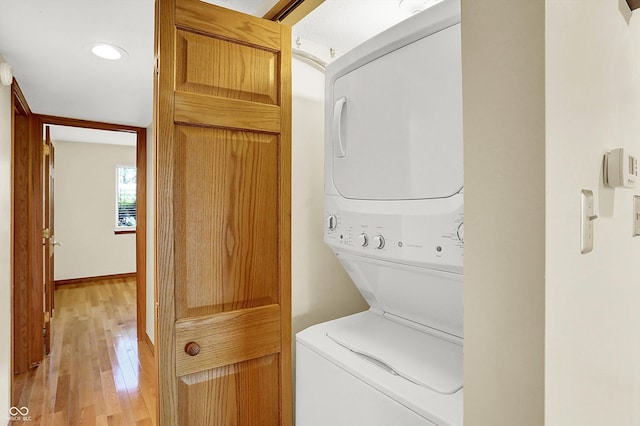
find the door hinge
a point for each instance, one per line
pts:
(46, 150)
(46, 233)
(157, 310)
(157, 65)
(47, 317)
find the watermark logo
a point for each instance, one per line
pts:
(19, 414)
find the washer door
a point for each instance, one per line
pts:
(416, 356)
(428, 297)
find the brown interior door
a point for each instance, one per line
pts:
(27, 236)
(223, 135)
(49, 240)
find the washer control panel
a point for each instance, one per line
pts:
(422, 232)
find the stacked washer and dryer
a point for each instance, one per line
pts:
(394, 209)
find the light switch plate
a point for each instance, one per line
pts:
(636, 215)
(586, 221)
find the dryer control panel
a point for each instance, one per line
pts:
(428, 233)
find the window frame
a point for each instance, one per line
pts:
(123, 229)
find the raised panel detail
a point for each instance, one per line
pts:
(226, 220)
(228, 24)
(227, 338)
(250, 74)
(243, 394)
(230, 113)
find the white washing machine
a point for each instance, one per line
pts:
(394, 209)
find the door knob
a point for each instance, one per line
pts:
(192, 348)
(55, 243)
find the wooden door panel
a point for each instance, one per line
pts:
(242, 394)
(197, 16)
(223, 135)
(228, 338)
(251, 74)
(222, 112)
(226, 220)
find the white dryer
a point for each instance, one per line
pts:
(394, 209)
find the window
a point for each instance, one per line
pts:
(125, 199)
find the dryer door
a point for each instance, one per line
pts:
(396, 123)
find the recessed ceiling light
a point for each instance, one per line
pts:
(108, 51)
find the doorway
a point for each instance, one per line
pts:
(141, 203)
(135, 287)
(95, 204)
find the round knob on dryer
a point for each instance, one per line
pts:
(461, 232)
(363, 240)
(378, 242)
(332, 222)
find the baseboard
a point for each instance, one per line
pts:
(149, 344)
(85, 280)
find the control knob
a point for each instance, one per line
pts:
(461, 232)
(363, 240)
(378, 241)
(332, 222)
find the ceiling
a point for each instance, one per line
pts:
(344, 24)
(48, 45)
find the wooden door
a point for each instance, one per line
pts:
(49, 237)
(223, 120)
(27, 256)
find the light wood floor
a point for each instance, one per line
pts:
(97, 372)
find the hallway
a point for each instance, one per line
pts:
(97, 372)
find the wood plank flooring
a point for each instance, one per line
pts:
(97, 372)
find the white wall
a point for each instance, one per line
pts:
(151, 233)
(85, 211)
(551, 335)
(321, 289)
(593, 300)
(504, 144)
(5, 251)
